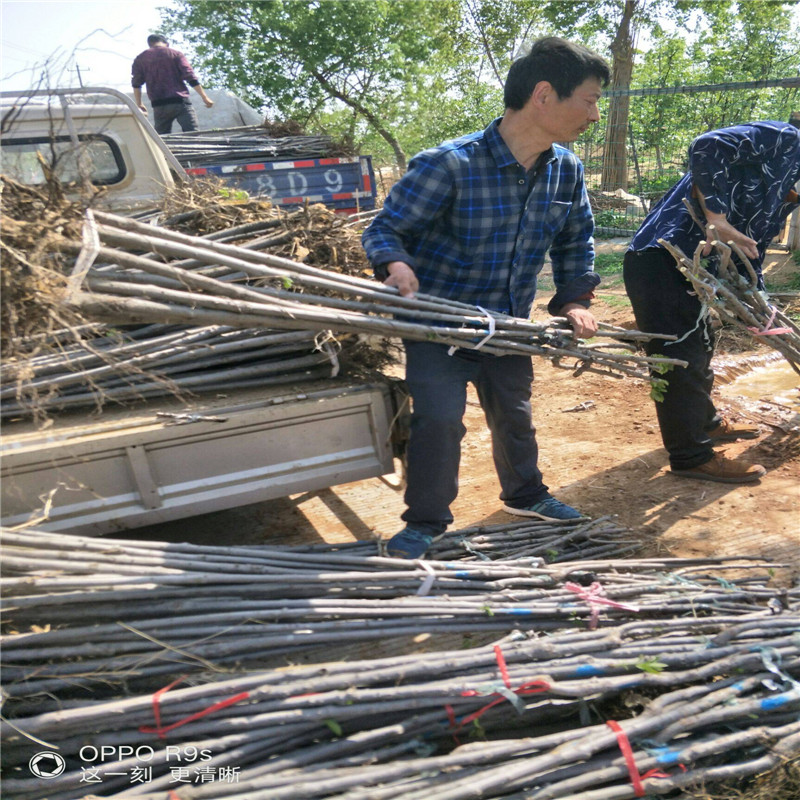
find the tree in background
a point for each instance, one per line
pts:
(396, 76)
(293, 57)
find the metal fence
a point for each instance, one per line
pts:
(629, 169)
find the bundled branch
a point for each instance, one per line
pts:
(91, 364)
(682, 667)
(247, 143)
(158, 360)
(208, 608)
(289, 294)
(735, 297)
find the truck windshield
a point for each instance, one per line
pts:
(22, 159)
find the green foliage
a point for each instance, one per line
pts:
(608, 218)
(657, 388)
(229, 193)
(608, 263)
(335, 727)
(391, 78)
(615, 300)
(477, 731)
(651, 665)
(790, 284)
(661, 369)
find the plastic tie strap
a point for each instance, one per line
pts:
(595, 596)
(492, 322)
(768, 330)
(429, 578)
(700, 317)
(771, 658)
(329, 345)
(161, 730)
(492, 327)
(630, 760)
(86, 257)
(513, 696)
(464, 542)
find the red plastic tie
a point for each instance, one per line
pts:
(531, 687)
(161, 730)
(501, 663)
(595, 597)
(627, 752)
(768, 330)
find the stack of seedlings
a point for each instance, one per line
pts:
(531, 541)
(732, 291)
(591, 680)
(203, 285)
(113, 365)
(55, 359)
(246, 143)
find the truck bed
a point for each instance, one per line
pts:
(124, 468)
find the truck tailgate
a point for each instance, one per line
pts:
(128, 469)
(344, 184)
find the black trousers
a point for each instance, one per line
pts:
(183, 112)
(663, 302)
(438, 386)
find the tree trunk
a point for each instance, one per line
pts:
(615, 164)
(399, 154)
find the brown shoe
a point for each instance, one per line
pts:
(728, 431)
(724, 470)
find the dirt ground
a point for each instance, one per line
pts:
(607, 460)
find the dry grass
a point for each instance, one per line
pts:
(34, 273)
(781, 783)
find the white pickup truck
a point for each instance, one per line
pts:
(95, 474)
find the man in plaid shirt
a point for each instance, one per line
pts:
(472, 220)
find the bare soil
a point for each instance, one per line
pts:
(606, 460)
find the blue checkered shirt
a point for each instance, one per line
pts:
(475, 225)
(745, 172)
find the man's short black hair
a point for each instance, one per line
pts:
(794, 119)
(564, 65)
(153, 38)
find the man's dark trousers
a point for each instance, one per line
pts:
(663, 302)
(438, 386)
(182, 111)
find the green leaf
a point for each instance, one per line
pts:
(334, 726)
(651, 664)
(658, 386)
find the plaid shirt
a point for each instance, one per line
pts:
(745, 172)
(475, 225)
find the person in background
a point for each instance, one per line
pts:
(472, 221)
(740, 180)
(166, 73)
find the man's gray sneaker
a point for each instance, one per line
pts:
(409, 543)
(548, 509)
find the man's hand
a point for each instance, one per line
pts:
(725, 232)
(143, 108)
(582, 320)
(208, 101)
(402, 277)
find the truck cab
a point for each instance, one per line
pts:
(90, 139)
